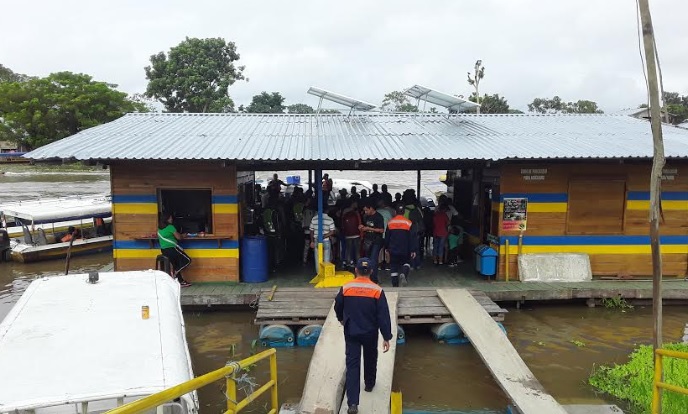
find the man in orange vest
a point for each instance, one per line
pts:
(362, 309)
(401, 243)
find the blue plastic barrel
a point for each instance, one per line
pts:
(254, 259)
(401, 335)
(277, 336)
(308, 335)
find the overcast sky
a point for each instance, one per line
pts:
(577, 49)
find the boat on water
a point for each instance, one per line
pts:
(72, 346)
(36, 228)
(13, 158)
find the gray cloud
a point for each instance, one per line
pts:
(580, 49)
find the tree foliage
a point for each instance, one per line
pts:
(195, 76)
(267, 103)
(42, 110)
(300, 108)
(7, 75)
(491, 104)
(677, 106)
(396, 101)
(556, 106)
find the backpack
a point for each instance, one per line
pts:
(268, 222)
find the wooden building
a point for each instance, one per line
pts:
(559, 183)
(600, 209)
(204, 197)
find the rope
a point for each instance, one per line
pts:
(244, 382)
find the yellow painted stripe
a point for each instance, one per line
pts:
(542, 207)
(153, 253)
(666, 204)
(225, 208)
(599, 249)
(135, 208)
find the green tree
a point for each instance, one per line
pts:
(556, 106)
(300, 108)
(7, 75)
(43, 110)
(677, 106)
(492, 104)
(267, 103)
(195, 76)
(396, 101)
(478, 75)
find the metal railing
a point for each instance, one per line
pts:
(228, 373)
(658, 385)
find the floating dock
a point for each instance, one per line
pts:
(305, 306)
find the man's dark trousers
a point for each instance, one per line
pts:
(353, 364)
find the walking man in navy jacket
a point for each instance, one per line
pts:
(362, 309)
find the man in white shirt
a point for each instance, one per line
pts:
(328, 231)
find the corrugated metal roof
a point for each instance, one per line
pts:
(364, 137)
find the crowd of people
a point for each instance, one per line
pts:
(395, 232)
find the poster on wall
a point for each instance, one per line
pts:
(515, 214)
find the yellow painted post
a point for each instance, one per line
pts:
(506, 258)
(273, 378)
(320, 254)
(520, 243)
(656, 390)
(396, 403)
(231, 395)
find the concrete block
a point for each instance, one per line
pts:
(554, 267)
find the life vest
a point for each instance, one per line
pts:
(268, 222)
(66, 238)
(362, 287)
(399, 223)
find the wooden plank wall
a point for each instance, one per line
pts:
(626, 252)
(135, 212)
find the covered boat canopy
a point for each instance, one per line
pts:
(67, 340)
(59, 209)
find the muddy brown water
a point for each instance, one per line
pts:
(560, 344)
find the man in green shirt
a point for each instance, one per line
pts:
(170, 248)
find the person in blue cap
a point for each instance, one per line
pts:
(361, 307)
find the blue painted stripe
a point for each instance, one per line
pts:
(225, 199)
(131, 198)
(187, 244)
(150, 198)
(591, 240)
(666, 195)
(538, 197)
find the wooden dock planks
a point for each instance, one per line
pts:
(378, 401)
(303, 306)
(322, 393)
(498, 354)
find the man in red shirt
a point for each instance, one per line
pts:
(440, 231)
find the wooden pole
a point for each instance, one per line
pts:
(658, 162)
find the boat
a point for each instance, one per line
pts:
(72, 346)
(35, 228)
(13, 158)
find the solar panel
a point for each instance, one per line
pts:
(341, 99)
(439, 98)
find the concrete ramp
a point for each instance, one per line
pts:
(378, 401)
(322, 393)
(499, 355)
(324, 388)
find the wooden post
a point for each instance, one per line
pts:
(658, 162)
(418, 185)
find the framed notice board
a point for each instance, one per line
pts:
(515, 214)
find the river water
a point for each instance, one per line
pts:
(560, 344)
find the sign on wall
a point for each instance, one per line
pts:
(515, 214)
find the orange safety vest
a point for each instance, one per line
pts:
(399, 222)
(362, 287)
